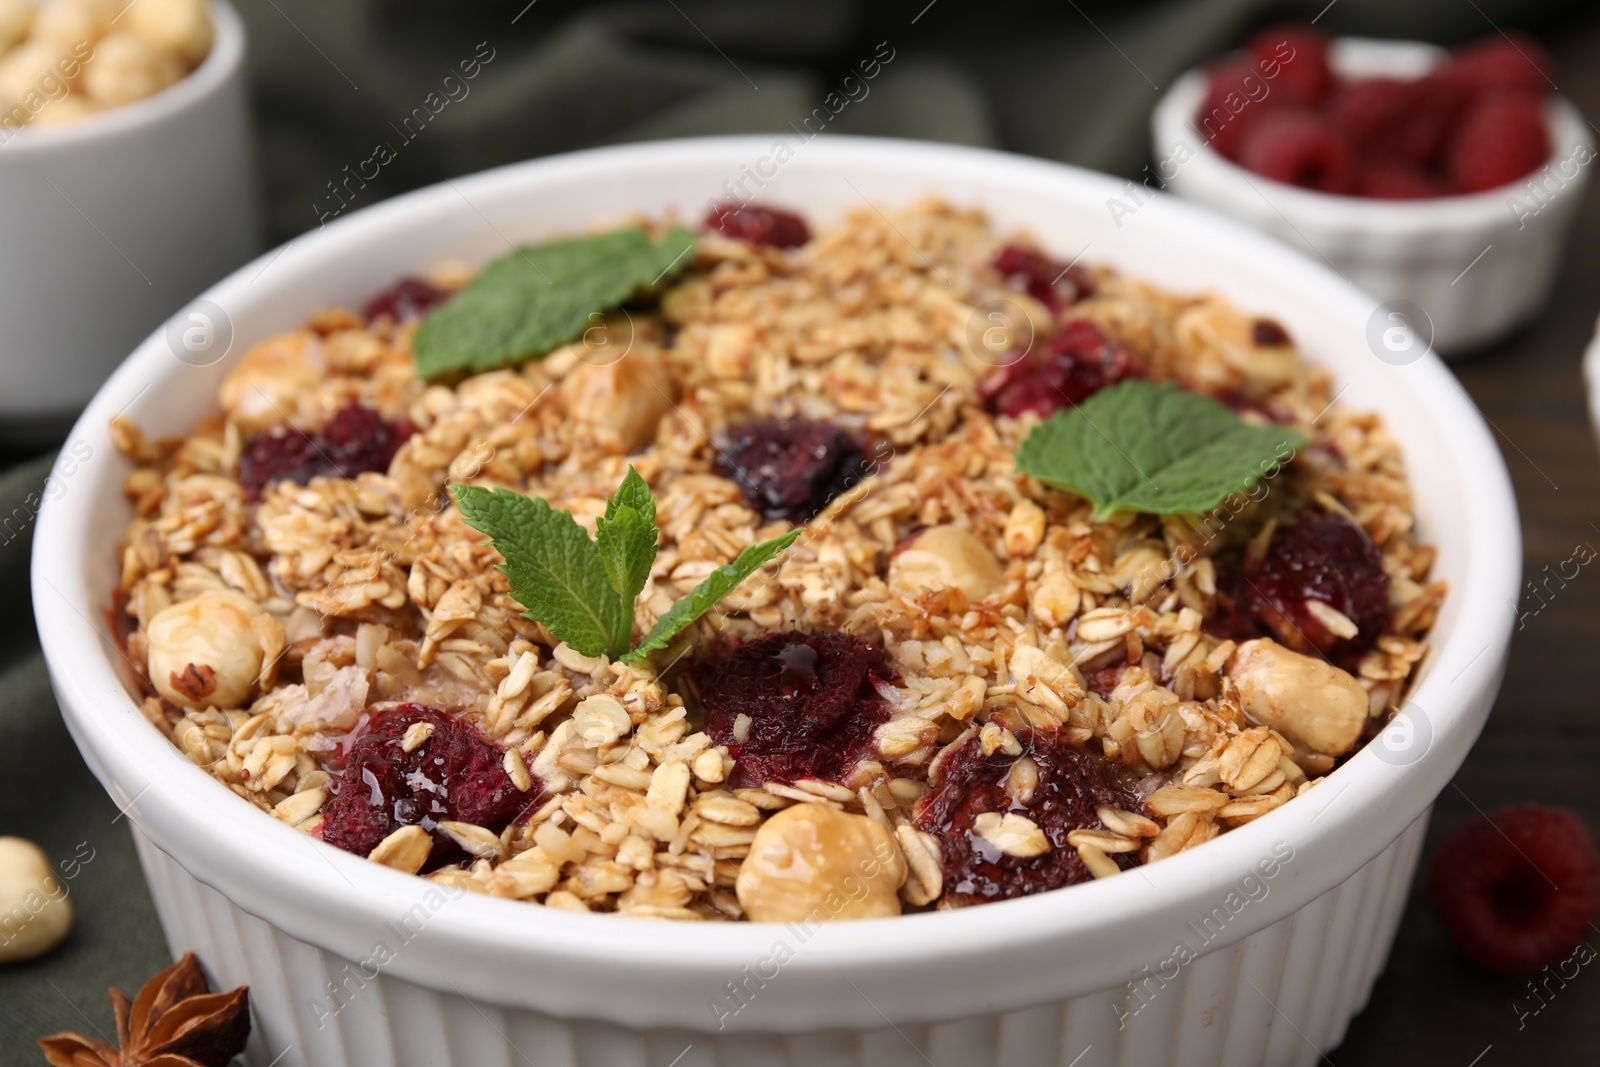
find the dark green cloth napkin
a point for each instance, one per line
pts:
(334, 79)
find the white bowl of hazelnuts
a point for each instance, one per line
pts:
(125, 186)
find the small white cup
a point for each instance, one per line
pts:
(1476, 266)
(109, 224)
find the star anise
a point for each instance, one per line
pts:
(175, 1021)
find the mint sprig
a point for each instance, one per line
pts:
(583, 590)
(540, 297)
(1140, 446)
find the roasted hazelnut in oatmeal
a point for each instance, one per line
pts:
(978, 673)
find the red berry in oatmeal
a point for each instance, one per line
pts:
(795, 705)
(979, 803)
(354, 440)
(1053, 283)
(452, 774)
(404, 301)
(1518, 889)
(1321, 588)
(790, 468)
(759, 225)
(1078, 362)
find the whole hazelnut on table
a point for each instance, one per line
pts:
(34, 913)
(812, 863)
(207, 652)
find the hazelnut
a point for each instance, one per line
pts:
(944, 557)
(125, 68)
(207, 651)
(178, 27)
(812, 862)
(34, 913)
(1229, 349)
(15, 16)
(60, 24)
(620, 403)
(265, 388)
(1310, 702)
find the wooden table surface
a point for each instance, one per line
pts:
(1542, 742)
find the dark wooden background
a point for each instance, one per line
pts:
(1542, 742)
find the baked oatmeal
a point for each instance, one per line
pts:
(966, 680)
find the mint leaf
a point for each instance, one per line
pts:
(716, 586)
(540, 297)
(1141, 446)
(626, 535)
(556, 572)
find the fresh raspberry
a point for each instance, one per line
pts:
(1301, 52)
(1053, 283)
(1327, 558)
(1396, 181)
(1078, 362)
(759, 225)
(354, 440)
(405, 300)
(1517, 889)
(1436, 105)
(1511, 62)
(790, 468)
(1502, 138)
(453, 775)
(1300, 148)
(1371, 111)
(808, 704)
(1069, 785)
(1233, 106)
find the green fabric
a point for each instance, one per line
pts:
(333, 79)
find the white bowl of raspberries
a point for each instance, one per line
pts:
(1441, 182)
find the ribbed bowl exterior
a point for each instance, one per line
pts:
(1279, 997)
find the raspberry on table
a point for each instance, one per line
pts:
(354, 440)
(1300, 148)
(453, 775)
(1304, 78)
(407, 299)
(790, 468)
(794, 705)
(1078, 362)
(1325, 558)
(1519, 888)
(1070, 784)
(1502, 138)
(759, 225)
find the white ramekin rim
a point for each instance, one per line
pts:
(501, 951)
(1171, 123)
(215, 70)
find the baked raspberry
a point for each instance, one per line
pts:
(1053, 283)
(1511, 62)
(759, 225)
(453, 775)
(1301, 52)
(1517, 889)
(1070, 784)
(1396, 181)
(1300, 148)
(405, 300)
(794, 705)
(1078, 362)
(1237, 96)
(355, 439)
(790, 468)
(1502, 137)
(1326, 558)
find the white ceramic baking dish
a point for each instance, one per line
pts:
(1477, 266)
(351, 963)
